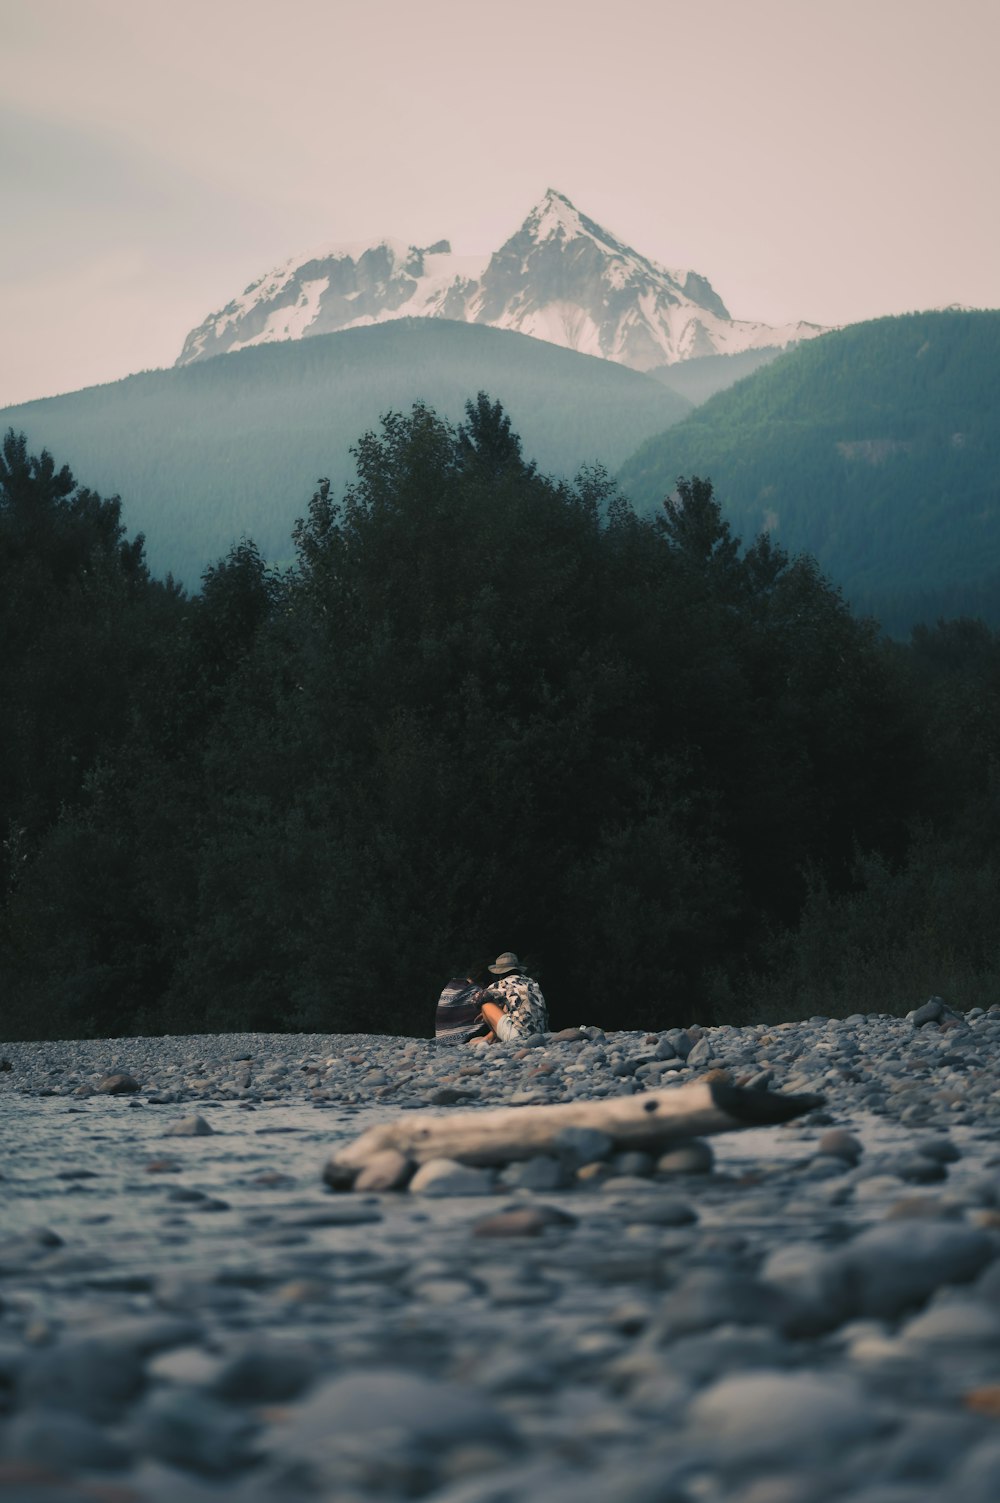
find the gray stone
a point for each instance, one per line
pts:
(442, 1291)
(190, 1429)
(267, 1372)
(836, 1143)
(824, 1166)
(977, 1479)
(448, 1177)
(625, 1184)
(898, 1265)
(770, 1416)
(700, 1054)
(189, 1127)
(931, 1012)
(919, 1114)
(927, 1448)
(941, 1150)
(706, 1298)
(304, 1291)
(451, 1095)
(650, 1206)
(87, 1376)
(957, 1323)
(143, 1335)
(12, 1359)
(681, 1041)
(352, 1212)
(982, 1190)
(872, 1187)
(509, 1287)
(918, 1169)
(194, 1294)
(694, 1157)
(885, 1271)
(729, 1349)
(633, 1163)
(118, 1084)
(191, 1365)
(540, 1173)
(508, 1371)
(583, 1145)
(923, 1207)
(24, 1248)
(385, 1428)
(815, 1285)
(523, 1221)
(987, 1286)
(55, 1438)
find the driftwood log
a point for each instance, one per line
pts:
(650, 1121)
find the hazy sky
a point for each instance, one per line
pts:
(823, 159)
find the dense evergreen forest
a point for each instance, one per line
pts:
(481, 709)
(232, 445)
(875, 448)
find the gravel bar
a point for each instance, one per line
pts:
(798, 1314)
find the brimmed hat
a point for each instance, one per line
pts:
(508, 961)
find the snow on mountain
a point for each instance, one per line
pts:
(560, 277)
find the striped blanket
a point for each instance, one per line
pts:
(457, 1017)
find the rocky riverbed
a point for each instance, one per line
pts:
(781, 1315)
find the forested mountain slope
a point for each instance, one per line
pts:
(481, 709)
(875, 448)
(235, 445)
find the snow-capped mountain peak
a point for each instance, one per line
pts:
(555, 216)
(560, 277)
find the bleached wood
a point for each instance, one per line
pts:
(501, 1135)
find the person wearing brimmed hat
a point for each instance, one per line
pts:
(513, 1005)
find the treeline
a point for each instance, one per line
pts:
(481, 710)
(875, 448)
(234, 444)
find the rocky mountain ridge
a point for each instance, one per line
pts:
(561, 278)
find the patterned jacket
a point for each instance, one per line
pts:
(521, 999)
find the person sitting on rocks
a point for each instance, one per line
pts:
(513, 1005)
(458, 1018)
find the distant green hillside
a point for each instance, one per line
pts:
(876, 448)
(702, 377)
(235, 445)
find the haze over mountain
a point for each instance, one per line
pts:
(204, 454)
(876, 449)
(560, 277)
